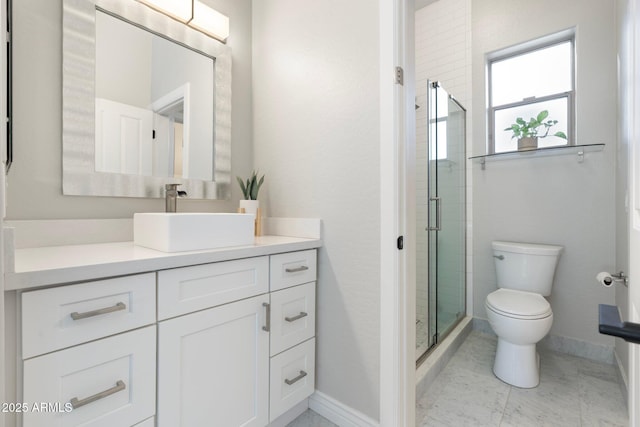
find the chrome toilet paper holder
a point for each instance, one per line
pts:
(607, 279)
(620, 278)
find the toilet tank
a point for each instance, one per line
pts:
(526, 266)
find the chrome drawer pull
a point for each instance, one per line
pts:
(297, 269)
(77, 316)
(294, 318)
(76, 403)
(296, 379)
(267, 327)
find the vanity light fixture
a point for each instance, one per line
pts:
(179, 10)
(195, 14)
(209, 21)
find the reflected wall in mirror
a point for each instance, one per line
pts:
(145, 82)
(158, 110)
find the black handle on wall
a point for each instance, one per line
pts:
(611, 324)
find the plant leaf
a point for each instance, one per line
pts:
(242, 187)
(248, 189)
(542, 115)
(560, 135)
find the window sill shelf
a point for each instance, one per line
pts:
(578, 150)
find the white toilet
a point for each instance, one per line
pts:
(518, 312)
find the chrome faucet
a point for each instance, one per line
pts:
(171, 195)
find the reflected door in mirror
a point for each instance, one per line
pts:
(154, 104)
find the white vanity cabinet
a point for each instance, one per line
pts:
(89, 353)
(225, 342)
(213, 364)
(229, 362)
(293, 324)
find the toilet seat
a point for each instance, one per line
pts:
(518, 304)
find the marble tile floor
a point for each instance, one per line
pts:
(311, 419)
(572, 392)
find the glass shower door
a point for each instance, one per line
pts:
(445, 218)
(437, 148)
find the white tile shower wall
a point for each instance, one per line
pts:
(443, 53)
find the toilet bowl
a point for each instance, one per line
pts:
(518, 312)
(520, 319)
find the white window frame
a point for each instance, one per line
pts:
(523, 49)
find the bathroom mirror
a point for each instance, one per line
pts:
(136, 119)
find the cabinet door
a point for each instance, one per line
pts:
(213, 367)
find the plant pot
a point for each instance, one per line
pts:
(250, 206)
(528, 143)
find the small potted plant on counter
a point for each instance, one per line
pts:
(529, 132)
(250, 191)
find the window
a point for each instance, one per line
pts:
(526, 80)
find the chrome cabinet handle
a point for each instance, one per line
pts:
(267, 326)
(294, 318)
(296, 379)
(76, 403)
(77, 316)
(500, 257)
(438, 226)
(297, 269)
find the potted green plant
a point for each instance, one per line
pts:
(250, 190)
(529, 132)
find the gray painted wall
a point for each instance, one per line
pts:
(316, 131)
(552, 199)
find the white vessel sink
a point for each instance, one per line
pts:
(175, 232)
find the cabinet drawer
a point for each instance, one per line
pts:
(292, 377)
(293, 316)
(188, 289)
(293, 268)
(111, 382)
(61, 317)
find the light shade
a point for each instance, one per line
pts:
(209, 21)
(182, 10)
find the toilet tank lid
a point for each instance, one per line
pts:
(526, 248)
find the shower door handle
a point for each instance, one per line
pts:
(438, 226)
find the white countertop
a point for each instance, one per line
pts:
(52, 265)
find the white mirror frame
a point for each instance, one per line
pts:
(79, 176)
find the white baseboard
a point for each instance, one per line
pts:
(338, 413)
(622, 378)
